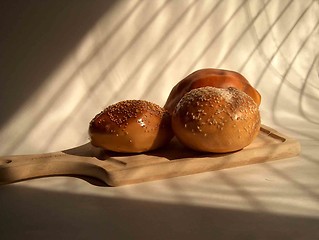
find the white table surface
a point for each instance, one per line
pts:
(53, 86)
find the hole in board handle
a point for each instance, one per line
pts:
(5, 161)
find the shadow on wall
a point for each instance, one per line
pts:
(291, 62)
(36, 36)
(65, 215)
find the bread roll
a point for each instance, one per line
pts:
(217, 120)
(131, 126)
(213, 78)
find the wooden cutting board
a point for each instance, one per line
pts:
(117, 169)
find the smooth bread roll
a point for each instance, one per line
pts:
(131, 126)
(217, 120)
(214, 78)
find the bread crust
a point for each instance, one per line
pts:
(217, 120)
(131, 126)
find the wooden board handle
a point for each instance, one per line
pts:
(22, 167)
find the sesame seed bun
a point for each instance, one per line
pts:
(216, 119)
(131, 126)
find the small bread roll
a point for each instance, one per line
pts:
(217, 120)
(210, 77)
(131, 126)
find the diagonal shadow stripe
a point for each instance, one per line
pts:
(217, 35)
(104, 73)
(180, 49)
(302, 92)
(284, 77)
(285, 81)
(235, 44)
(262, 39)
(160, 42)
(282, 43)
(100, 79)
(277, 45)
(71, 79)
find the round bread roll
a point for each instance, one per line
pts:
(131, 126)
(213, 78)
(217, 120)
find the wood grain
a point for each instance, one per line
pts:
(117, 169)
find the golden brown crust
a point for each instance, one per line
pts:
(216, 120)
(131, 126)
(210, 77)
